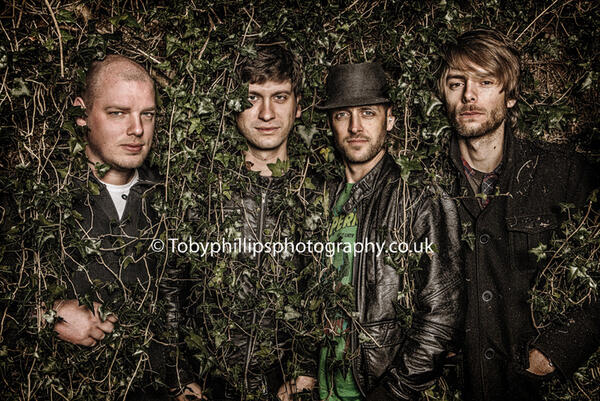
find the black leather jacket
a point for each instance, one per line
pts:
(267, 210)
(258, 219)
(396, 359)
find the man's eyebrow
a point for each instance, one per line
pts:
(281, 92)
(476, 75)
(125, 108)
(455, 76)
(115, 106)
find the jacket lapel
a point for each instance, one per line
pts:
(464, 191)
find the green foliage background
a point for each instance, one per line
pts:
(191, 49)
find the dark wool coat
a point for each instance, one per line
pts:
(500, 270)
(124, 263)
(119, 260)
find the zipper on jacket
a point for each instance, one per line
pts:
(261, 223)
(353, 334)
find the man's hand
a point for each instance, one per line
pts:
(79, 325)
(295, 386)
(539, 364)
(191, 391)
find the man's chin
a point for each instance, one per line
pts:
(126, 165)
(470, 132)
(361, 157)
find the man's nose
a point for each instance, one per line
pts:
(136, 127)
(355, 123)
(470, 92)
(266, 110)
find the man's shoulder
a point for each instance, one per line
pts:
(554, 156)
(541, 147)
(149, 175)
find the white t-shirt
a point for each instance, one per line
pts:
(119, 193)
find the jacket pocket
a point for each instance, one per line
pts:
(525, 233)
(379, 342)
(380, 334)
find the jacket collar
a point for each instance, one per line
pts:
(146, 181)
(365, 187)
(464, 189)
(260, 183)
(146, 178)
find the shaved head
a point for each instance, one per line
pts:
(114, 66)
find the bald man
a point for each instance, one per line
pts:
(120, 108)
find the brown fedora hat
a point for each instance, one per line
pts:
(350, 85)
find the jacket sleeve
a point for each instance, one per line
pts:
(438, 303)
(169, 287)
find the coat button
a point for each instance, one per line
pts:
(487, 296)
(489, 353)
(484, 239)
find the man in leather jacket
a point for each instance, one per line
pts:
(408, 304)
(510, 192)
(267, 208)
(119, 104)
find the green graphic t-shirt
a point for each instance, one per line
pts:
(337, 386)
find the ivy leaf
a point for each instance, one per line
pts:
(407, 165)
(307, 133)
(290, 313)
(279, 168)
(539, 251)
(93, 188)
(20, 88)
(101, 169)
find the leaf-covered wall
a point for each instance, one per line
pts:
(191, 49)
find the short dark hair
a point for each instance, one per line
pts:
(131, 71)
(273, 62)
(491, 51)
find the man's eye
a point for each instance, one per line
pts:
(340, 115)
(115, 113)
(149, 115)
(368, 113)
(454, 85)
(487, 83)
(280, 98)
(252, 98)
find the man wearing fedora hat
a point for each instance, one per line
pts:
(407, 297)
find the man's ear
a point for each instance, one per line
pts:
(510, 103)
(298, 107)
(80, 120)
(390, 120)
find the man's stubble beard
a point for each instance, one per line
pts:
(496, 118)
(373, 149)
(118, 163)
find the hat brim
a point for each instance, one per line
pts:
(338, 104)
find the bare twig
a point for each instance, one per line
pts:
(60, 45)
